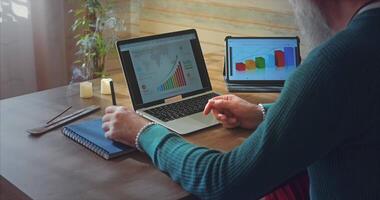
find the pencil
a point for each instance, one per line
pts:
(68, 108)
(113, 93)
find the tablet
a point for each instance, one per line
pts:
(265, 61)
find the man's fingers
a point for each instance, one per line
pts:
(107, 134)
(106, 126)
(208, 107)
(220, 116)
(106, 118)
(227, 122)
(223, 115)
(225, 97)
(221, 104)
(111, 109)
(216, 113)
(225, 119)
(232, 120)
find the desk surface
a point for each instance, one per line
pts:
(54, 167)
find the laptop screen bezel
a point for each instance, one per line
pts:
(130, 75)
(258, 82)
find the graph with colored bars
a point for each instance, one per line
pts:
(279, 58)
(175, 81)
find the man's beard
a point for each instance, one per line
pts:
(313, 26)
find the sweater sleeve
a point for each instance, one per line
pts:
(267, 106)
(298, 130)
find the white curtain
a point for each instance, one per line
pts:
(32, 46)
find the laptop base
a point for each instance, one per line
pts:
(186, 124)
(252, 88)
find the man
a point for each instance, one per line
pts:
(326, 119)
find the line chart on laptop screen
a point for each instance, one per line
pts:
(165, 69)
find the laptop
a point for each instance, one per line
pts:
(168, 80)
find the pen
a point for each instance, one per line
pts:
(113, 93)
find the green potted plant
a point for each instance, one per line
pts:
(96, 26)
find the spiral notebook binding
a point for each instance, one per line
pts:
(83, 141)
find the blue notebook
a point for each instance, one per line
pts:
(91, 135)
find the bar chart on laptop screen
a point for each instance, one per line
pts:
(166, 70)
(176, 80)
(263, 60)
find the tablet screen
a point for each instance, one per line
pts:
(261, 59)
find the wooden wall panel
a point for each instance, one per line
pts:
(129, 11)
(213, 19)
(216, 19)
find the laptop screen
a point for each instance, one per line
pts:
(164, 67)
(264, 59)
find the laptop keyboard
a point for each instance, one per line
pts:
(181, 109)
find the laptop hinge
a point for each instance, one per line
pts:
(173, 99)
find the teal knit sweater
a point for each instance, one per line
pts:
(326, 120)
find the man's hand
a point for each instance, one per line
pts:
(232, 111)
(122, 125)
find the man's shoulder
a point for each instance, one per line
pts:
(353, 43)
(348, 50)
(346, 61)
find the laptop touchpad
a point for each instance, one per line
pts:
(204, 119)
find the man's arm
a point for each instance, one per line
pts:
(302, 126)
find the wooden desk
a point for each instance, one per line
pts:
(54, 167)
